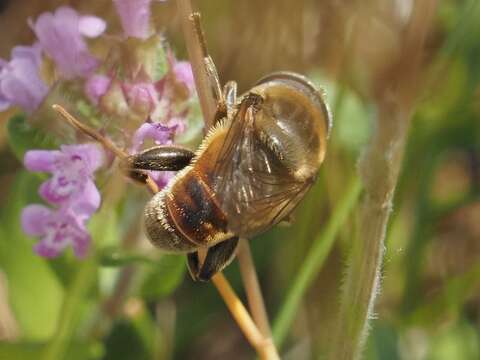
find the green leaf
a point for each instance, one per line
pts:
(383, 343)
(351, 118)
(113, 257)
(71, 314)
(20, 351)
(33, 351)
(322, 244)
(124, 342)
(104, 227)
(161, 62)
(456, 342)
(22, 137)
(194, 127)
(35, 294)
(165, 278)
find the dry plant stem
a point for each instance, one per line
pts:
(197, 52)
(89, 131)
(379, 168)
(196, 55)
(264, 347)
(252, 286)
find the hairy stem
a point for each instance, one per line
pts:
(379, 168)
(319, 251)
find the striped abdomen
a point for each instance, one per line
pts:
(186, 215)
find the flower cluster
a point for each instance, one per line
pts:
(72, 190)
(60, 37)
(140, 85)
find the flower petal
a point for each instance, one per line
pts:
(41, 160)
(81, 244)
(59, 35)
(96, 86)
(51, 192)
(32, 53)
(184, 74)
(162, 178)
(135, 17)
(141, 97)
(87, 202)
(34, 219)
(64, 227)
(94, 154)
(91, 26)
(48, 250)
(178, 124)
(4, 103)
(91, 154)
(159, 133)
(20, 82)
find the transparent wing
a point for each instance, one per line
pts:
(254, 188)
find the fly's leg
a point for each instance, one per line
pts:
(225, 98)
(218, 257)
(158, 158)
(213, 78)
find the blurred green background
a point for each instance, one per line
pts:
(429, 305)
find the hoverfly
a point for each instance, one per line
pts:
(249, 173)
(251, 170)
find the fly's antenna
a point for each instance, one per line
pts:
(89, 131)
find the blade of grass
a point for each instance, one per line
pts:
(313, 263)
(69, 316)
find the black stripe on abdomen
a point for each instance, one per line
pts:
(194, 211)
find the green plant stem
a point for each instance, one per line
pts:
(68, 319)
(321, 247)
(379, 168)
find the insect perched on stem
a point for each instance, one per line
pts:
(254, 166)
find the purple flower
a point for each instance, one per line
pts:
(178, 124)
(159, 133)
(162, 178)
(183, 74)
(20, 82)
(141, 97)
(135, 17)
(97, 86)
(72, 168)
(57, 230)
(61, 36)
